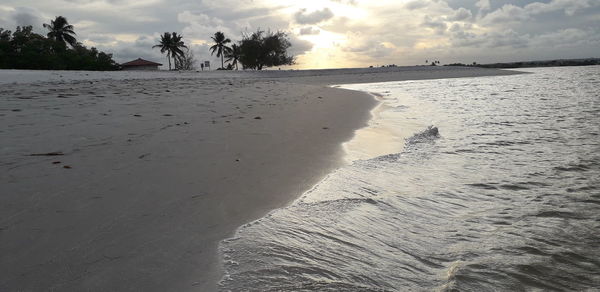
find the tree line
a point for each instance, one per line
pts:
(58, 50)
(258, 50)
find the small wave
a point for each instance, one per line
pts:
(427, 135)
(573, 167)
(514, 187)
(483, 186)
(558, 214)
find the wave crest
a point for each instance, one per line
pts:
(427, 135)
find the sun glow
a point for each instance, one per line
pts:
(321, 58)
(325, 39)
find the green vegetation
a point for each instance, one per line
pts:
(172, 44)
(255, 51)
(24, 49)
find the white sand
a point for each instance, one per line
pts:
(162, 166)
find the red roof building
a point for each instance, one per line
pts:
(140, 64)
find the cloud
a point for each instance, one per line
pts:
(461, 14)
(347, 2)
(508, 38)
(507, 14)
(570, 7)
(483, 5)
(515, 14)
(569, 38)
(369, 49)
(202, 26)
(299, 46)
(309, 30)
(24, 16)
(417, 4)
(496, 39)
(351, 32)
(304, 17)
(434, 23)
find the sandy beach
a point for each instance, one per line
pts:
(124, 182)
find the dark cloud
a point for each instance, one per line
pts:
(23, 16)
(314, 17)
(436, 24)
(416, 4)
(299, 46)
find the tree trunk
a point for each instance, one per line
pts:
(222, 66)
(169, 58)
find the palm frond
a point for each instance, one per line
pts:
(70, 40)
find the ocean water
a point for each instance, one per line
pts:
(494, 186)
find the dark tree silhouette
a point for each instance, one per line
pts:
(165, 44)
(233, 55)
(25, 49)
(261, 49)
(177, 45)
(172, 44)
(60, 30)
(220, 46)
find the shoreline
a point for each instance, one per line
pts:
(395, 212)
(145, 206)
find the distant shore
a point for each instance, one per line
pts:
(127, 181)
(309, 76)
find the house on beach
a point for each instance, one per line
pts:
(140, 64)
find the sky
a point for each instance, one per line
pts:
(333, 33)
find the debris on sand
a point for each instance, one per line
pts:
(58, 153)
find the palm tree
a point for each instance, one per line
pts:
(172, 44)
(60, 30)
(176, 47)
(234, 55)
(220, 46)
(165, 44)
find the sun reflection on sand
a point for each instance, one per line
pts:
(388, 129)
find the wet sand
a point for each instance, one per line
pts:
(130, 184)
